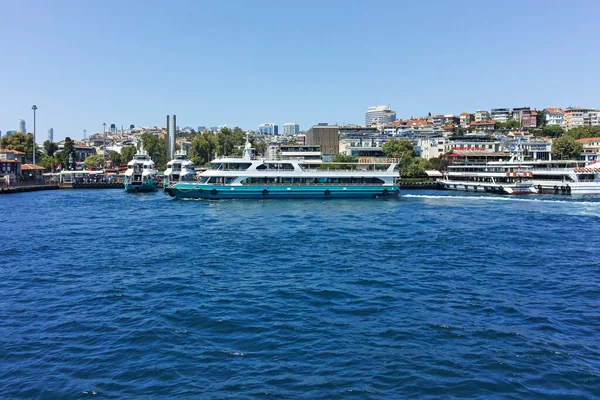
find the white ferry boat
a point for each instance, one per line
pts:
(563, 177)
(519, 177)
(249, 178)
(141, 174)
(501, 179)
(180, 169)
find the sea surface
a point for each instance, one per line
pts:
(106, 294)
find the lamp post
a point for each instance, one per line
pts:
(34, 108)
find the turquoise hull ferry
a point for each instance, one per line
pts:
(141, 176)
(191, 190)
(249, 178)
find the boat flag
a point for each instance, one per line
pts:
(59, 167)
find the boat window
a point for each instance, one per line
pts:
(216, 166)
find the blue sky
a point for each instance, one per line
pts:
(242, 63)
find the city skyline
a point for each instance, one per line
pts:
(435, 57)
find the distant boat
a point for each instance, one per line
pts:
(141, 174)
(249, 178)
(180, 169)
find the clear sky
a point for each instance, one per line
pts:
(242, 63)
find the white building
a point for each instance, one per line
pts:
(291, 128)
(554, 116)
(268, 128)
(21, 126)
(379, 114)
(501, 114)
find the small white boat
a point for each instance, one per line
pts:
(141, 174)
(180, 169)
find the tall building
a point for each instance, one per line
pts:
(21, 126)
(291, 128)
(268, 128)
(326, 136)
(379, 114)
(51, 134)
(171, 135)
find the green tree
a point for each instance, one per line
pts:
(115, 157)
(94, 161)
(50, 148)
(582, 132)
(20, 142)
(566, 148)
(402, 149)
(49, 162)
(230, 142)
(127, 153)
(434, 164)
(68, 154)
(203, 148)
(552, 131)
(396, 148)
(259, 146)
(156, 148)
(291, 143)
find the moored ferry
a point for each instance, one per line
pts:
(180, 169)
(249, 178)
(141, 174)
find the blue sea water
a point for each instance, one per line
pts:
(436, 294)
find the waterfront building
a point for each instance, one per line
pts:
(51, 134)
(465, 119)
(10, 165)
(82, 151)
(21, 126)
(379, 114)
(482, 116)
(501, 114)
(434, 147)
(326, 136)
(554, 116)
(291, 128)
(268, 128)
(591, 149)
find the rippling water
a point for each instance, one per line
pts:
(117, 295)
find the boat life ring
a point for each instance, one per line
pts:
(327, 192)
(213, 192)
(265, 192)
(386, 192)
